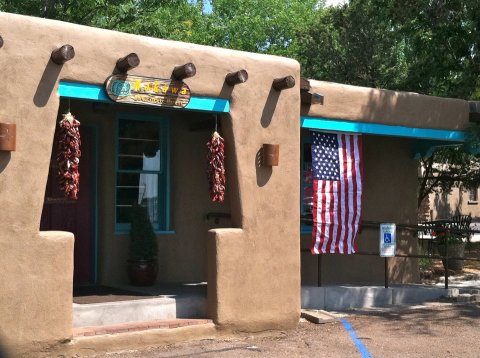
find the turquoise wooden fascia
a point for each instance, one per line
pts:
(97, 93)
(380, 129)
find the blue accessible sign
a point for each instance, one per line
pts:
(387, 240)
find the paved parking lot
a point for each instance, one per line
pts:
(434, 330)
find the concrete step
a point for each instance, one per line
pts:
(137, 326)
(148, 309)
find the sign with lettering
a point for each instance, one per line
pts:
(388, 242)
(147, 91)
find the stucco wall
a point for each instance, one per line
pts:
(255, 283)
(372, 105)
(446, 205)
(389, 195)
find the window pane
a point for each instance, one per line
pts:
(307, 199)
(138, 188)
(139, 145)
(473, 195)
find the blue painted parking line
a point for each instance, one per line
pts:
(360, 346)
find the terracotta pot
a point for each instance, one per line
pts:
(454, 250)
(142, 272)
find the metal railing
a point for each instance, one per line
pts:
(415, 229)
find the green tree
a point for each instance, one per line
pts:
(356, 44)
(266, 26)
(442, 46)
(172, 19)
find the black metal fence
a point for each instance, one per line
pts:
(425, 235)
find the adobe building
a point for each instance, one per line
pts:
(248, 248)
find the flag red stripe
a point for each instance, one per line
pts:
(315, 216)
(346, 208)
(330, 216)
(341, 198)
(322, 214)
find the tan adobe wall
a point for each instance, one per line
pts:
(389, 195)
(372, 105)
(446, 205)
(256, 270)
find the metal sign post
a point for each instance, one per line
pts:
(388, 245)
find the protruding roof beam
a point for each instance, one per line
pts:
(63, 54)
(235, 78)
(184, 71)
(128, 62)
(279, 84)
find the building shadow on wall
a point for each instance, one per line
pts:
(4, 160)
(47, 84)
(269, 108)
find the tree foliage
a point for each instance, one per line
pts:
(355, 44)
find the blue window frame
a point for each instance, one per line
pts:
(306, 185)
(142, 169)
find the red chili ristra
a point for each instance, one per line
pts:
(216, 168)
(68, 156)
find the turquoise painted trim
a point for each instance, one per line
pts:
(166, 177)
(83, 91)
(95, 206)
(208, 104)
(92, 92)
(305, 230)
(380, 129)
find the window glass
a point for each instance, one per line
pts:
(473, 195)
(307, 181)
(140, 178)
(137, 141)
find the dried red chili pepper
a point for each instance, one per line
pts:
(68, 156)
(216, 167)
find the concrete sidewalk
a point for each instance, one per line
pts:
(340, 298)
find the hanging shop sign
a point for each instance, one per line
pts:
(147, 91)
(388, 242)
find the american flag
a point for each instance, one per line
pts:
(337, 191)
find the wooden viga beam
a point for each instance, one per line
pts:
(63, 54)
(304, 84)
(128, 62)
(235, 78)
(279, 84)
(1, 41)
(184, 71)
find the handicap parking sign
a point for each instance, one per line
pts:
(387, 238)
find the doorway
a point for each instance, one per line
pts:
(75, 216)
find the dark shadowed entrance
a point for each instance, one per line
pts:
(73, 216)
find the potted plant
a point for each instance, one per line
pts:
(142, 264)
(456, 248)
